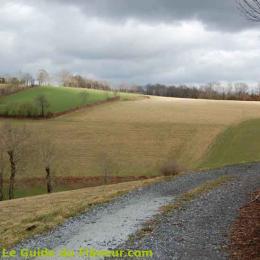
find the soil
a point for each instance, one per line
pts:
(245, 233)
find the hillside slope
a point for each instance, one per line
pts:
(237, 144)
(60, 99)
(129, 138)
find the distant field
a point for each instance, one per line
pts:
(60, 99)
(134, 137)
(237, 144)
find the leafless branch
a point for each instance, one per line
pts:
(250, 8)
(48, 155)
(13, 140)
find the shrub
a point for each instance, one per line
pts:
(49, 114)
(83, 95)
(42, 103)
(11, 109)
(170, 168)
(27, 109)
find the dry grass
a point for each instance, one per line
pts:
(139, 136)
(22, 218)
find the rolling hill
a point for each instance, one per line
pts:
(237, 144)
(129, 138)
(59, 99)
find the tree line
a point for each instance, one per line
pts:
(67, 79)
(233, 91)
(43, 78)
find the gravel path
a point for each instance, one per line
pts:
(197, 232)
(200, 229)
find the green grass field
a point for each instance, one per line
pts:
(60, 99)
(237, 144)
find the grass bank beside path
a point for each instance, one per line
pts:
(237, 144)
(25, 217)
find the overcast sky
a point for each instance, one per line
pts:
(134, 41)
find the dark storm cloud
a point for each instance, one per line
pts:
(219, 14)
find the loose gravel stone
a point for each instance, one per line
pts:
(200, 229)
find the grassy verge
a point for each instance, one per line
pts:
(237, 144)
(22, 218)
(26, 187)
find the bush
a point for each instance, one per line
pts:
(49, 114)
(27, 109)
(83, 95)
(170, 168)
(11, 109)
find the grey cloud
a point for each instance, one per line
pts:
(220, 14)
(130, 41)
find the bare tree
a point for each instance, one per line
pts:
(250, 8)
(43, 77)
(258, 89)
(48, 154)
(43, 103)
(13, 140)
(107, 166)
(115, 92)
(241, 90)
(1, 175)
(65, 78)
(27, 79)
